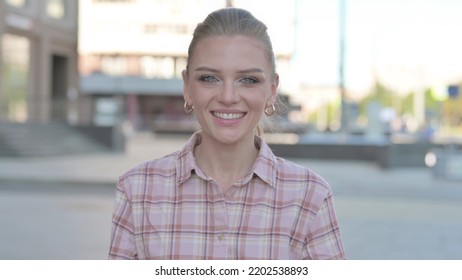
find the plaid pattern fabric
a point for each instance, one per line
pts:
(169, 209)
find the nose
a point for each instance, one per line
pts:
(228, 94)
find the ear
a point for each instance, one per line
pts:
(186, 96)
(274, 88)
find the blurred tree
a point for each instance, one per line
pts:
(380, 94)
(407, 104)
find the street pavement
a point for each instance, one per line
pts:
(60, 207)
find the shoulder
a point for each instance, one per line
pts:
(294, 175)
(142, 181)
(162, 173)
(165, 167)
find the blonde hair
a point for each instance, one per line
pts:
(232, 21)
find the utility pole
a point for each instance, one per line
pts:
(342, 28)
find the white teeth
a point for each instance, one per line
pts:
(230, 116)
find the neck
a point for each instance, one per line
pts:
(226, 163)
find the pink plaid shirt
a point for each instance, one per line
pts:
(169, 209)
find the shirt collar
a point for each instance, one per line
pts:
(265, 166)
(186, 162)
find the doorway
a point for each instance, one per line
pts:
(59, 85)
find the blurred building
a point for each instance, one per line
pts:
(38, 59)
(132, 53)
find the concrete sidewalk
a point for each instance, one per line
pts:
(98, 168)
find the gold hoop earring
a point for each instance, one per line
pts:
(188, 108)
(269, 111)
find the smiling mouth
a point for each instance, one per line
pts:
(228, 116)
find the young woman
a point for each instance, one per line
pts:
(225, 195)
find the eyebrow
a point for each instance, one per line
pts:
(243, 71)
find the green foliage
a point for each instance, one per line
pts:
(430, 101)
(380, 94)
(407, 104)
(403, 104)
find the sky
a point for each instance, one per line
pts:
(406, 44)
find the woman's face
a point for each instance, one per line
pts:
(229, 82)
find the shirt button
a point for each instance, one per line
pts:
(220, 237)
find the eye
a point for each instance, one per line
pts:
(249, 80)
(208, 79)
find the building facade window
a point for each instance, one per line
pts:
(56, 9)
(114, 65)
(156, 28)
(180, 65)
(112, 1)
(15, 74)
(157, 67)
(17, 3)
